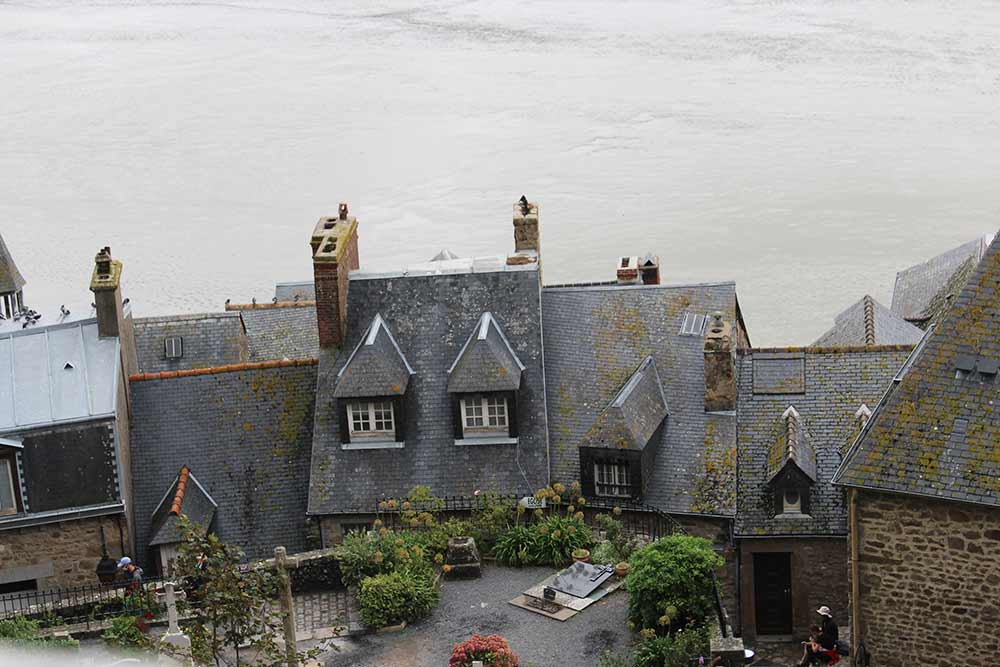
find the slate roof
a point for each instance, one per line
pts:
(867, 322)
(632, 417)
(937, 432)
(10, 278)
(282, 333)
(247, 433)
(917, 286)
(376, 367)
(185, 497)
(208, 339)
(830, 387)
(56, 373)
(430, 317)
(486, 362)
(300, 291)
(595, 338)
(791, 446)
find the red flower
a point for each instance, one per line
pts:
(148, 615)
(492, 650)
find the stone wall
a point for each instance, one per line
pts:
(819, 577)
(59, 554)
(929, 581)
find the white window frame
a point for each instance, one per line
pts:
(481, 406)
(693, 324)
(13, 481)
(615, 479)
(366, 411)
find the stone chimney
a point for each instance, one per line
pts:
(106, 286)
(649, 269)
(334, 244)
(720, 365)
(628, 271)
(527, 245)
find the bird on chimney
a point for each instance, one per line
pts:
(274, 300)
(253, 301)
(63, 311)
(227, 301)
(523, 201)
(297, 297)
(93, 306)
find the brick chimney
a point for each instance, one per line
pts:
(527, 245)
(334, 244)
(720, 365)
(106, 286)
(649, 269)
(627, 272)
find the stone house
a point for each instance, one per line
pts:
(923, 487)
(65, 485)
(798, 411)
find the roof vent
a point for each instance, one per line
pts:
(988, 366)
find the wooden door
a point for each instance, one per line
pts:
(772, 583)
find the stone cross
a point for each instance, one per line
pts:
(177, 642)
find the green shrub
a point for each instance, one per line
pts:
(18, 627)
(20, 632)
(670, 583)
(606, 553)
(681, 649)
(614, 532)
(491, 518)
(556, 537)
(368, 554)
(435, 539)
(514, 546)
(609, 659)
(125, 632)
(388, 599)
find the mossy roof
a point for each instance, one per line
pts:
(634, 414)
(487, 363)
(917, 286)
(868, 322)
(937, 431)
(10, 278)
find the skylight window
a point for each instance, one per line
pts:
(693, 324)
(173, 347)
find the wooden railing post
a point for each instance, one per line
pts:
(287, 606)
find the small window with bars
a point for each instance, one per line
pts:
(693, 324)
(611, 478)
(370, 418)
(173, 347)
(484, 413)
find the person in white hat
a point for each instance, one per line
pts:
(829, 626)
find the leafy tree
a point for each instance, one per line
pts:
(231, 604)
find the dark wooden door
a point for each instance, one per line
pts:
(772, 584)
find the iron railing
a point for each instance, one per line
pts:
(83, 604)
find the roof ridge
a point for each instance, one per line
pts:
(229, 368)
(828, 349)
(302, 303)
(869, 320)
(182, 480)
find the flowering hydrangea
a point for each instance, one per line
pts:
(493, 650)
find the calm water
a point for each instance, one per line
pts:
(806, 149)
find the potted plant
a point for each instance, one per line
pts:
(621, 569)
(581, 555)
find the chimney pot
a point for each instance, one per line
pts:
(342, 210)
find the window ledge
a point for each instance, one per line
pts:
(487, 440)
(373, 444)
(792, 516)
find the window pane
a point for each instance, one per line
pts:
(611, 479)
(473, 412)
(360, 419)
(382, 412)
(496, 409)
(6, 486)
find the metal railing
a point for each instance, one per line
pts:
(82, 604)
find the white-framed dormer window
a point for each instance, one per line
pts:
(8, 478)
(484, 413)
(371, 419)
(611, 478)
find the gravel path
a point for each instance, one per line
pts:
(480, 606)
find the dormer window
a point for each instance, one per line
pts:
(791, 466)
(791, 502)
(484, 413)
(611, 478)
(371, 419)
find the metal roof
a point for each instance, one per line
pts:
(56, 374)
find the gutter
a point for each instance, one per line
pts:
(56, 516)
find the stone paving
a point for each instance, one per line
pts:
(320, 610)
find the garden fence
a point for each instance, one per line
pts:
(83, 604)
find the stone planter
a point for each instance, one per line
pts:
(462, 559)
(391, 628)
(581, 556)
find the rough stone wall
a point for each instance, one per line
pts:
(929, 581)
(717, 531)
(819, 577)
(59, 554)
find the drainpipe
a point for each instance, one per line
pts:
(855, 574)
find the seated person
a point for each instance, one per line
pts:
(820, 649)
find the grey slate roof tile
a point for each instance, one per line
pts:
(486, 362)
(195, 504)
(791, 446)
(247, 434)
(835, 384)
(634, 415)
(867, 322)
(917, 286)
(595, 338)
(300, 291)
(430, 317)
(282, 333)
(914, 443)
(209, 339)
(376, 367)
(10, 278)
